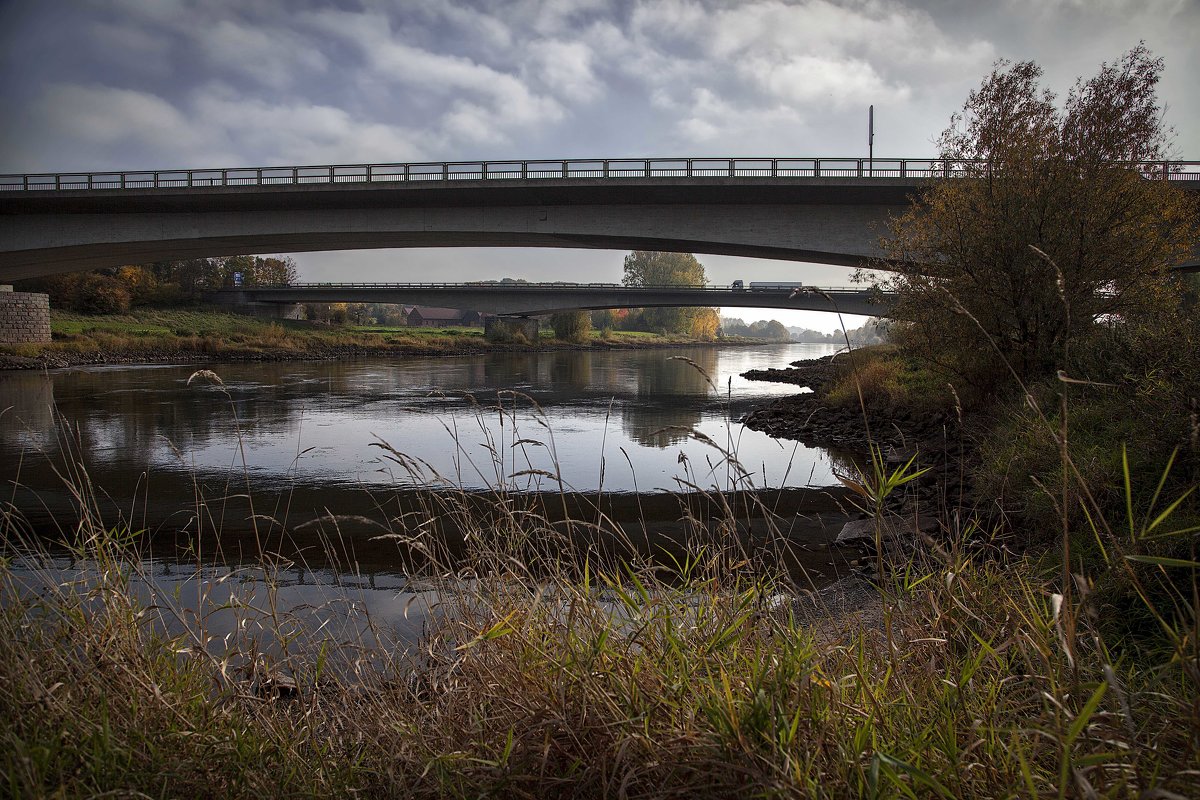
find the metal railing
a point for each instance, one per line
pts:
(561, 169)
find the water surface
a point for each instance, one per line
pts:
(308, 462)
(613, 421)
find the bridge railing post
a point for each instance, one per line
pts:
(156, 180)
(524, 170)
(774, 168)
(605, 168)
(903, 168)
(296, 175)
(689, 167)
(816, 167)
(564, 169)
(445, 171)
(647, 168)
(483, 170)
(258, 176)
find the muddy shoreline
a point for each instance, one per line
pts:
(934, 441)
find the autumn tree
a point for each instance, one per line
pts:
(705, 323)
(1048, 228)
(651, 268)
(572, 326)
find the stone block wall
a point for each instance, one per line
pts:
(24, 317)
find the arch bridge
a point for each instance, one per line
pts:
(529, 299)
(822, 210)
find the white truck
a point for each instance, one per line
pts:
(769, 286)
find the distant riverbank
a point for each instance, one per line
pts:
(147, 336)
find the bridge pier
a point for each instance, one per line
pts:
(240, 303)
(272, 310)
(510, 329)
(24, 317)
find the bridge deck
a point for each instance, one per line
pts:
(526, 299)
(816, 210)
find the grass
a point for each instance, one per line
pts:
(887, 378)
(558, 665)
(204, 333)
(552, 669)
(634, 681)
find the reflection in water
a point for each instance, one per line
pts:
(27, 412)
(176, 460)
(672, 397)
(623, 415)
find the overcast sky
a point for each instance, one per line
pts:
(137, 84)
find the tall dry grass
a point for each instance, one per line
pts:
(550, 668)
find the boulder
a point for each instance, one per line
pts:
(863, 531)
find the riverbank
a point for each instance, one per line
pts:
(155, 336)
(541, 666)
(549, 663)
(930, 432)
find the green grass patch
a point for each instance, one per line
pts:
(191, 332)
(887, 379)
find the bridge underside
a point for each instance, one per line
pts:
(528, 300)
(73, 258)
(822, 221)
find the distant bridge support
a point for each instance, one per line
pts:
(269, 310)
(511, 329)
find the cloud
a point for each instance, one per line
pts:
(485, 103)
(274, 57)
(112, 128)
(475, 78)
(111, 121)
(133, 47)
(566, 68)
(824, 81)
(302, 133)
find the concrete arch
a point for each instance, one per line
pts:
(822, 220)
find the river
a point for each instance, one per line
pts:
(339, 450)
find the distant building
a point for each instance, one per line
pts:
(433, 317)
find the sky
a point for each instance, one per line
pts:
(158, 84)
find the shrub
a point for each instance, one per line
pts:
(572, 326)
(878, 378)
(100, 294)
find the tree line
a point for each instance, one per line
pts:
(162, 283)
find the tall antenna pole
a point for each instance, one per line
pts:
(871, 139)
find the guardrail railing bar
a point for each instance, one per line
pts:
(545, 170)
